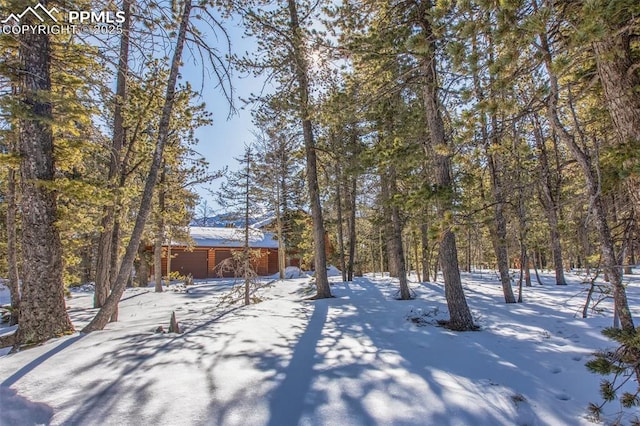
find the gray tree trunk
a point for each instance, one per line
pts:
(43, 312)
(110, 305)
(460, 315)
(142, 272)
(160, 237)
(424, 249)
(396, 254)
(499, 239)
(551, 204)
(339, 225)
(323, 290)
(104, 260)
(12, 247)
(609, 259)
(351, 222)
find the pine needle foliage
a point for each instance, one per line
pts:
(622, 367)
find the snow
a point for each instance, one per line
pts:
(361, 358)
(230, 237)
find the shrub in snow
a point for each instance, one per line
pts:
(421, 318)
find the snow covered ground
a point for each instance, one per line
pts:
(361, 358)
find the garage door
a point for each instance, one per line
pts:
(221, 256)
(190, 262)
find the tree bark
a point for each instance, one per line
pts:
(12, 247)
(389, 189)
(499, 239)
(110, 305)
(142, 272)
(323, 290)
(550, 202)
(339, 225)
(620, 79)
(12, 230)
(281, 248)
(43, 312)
(104, 262)
(460, 315)
(609, 258)
(159, 239)
(424, 249)
(351, 222)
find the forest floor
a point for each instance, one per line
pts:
(361, 358)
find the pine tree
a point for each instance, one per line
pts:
(238, 196)
(623, 364)
(111, 303)
(285, 38)
(42, 307)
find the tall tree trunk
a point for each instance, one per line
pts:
(103, 258)
(168, 274)
(460, 315)
(620, 81)
(389, 189)
(42, 311)
(550, 202)
(499, 239)
(607, 247)
(302, 78)
(105, 270)
(281, 248)
(159, 239)
(424, 248)
(416, 254)
(110, 305)
(12, 247)
(246, 259)
(339, 225)
(142, 270)
(490, 143)
(351, 222)
(390, 240)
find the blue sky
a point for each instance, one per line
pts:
(227, 136)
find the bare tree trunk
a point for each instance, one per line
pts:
(142, 272)
(281, 248)
(104, 261)
(160, 237)
(157, 263)
(499, 231)
(245, 249)
(110, 305)
(12, 246)
(302, 76)
(424, 249)
(393, 264)
(42, 311)
(460, 315)
(597, 203)
(168, 275)
(389, 189)
(550, 202)
(339, 225)
(351, 222)
(416, 255)
(535, 269)
(499, 239)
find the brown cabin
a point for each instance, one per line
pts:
(211, 246)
